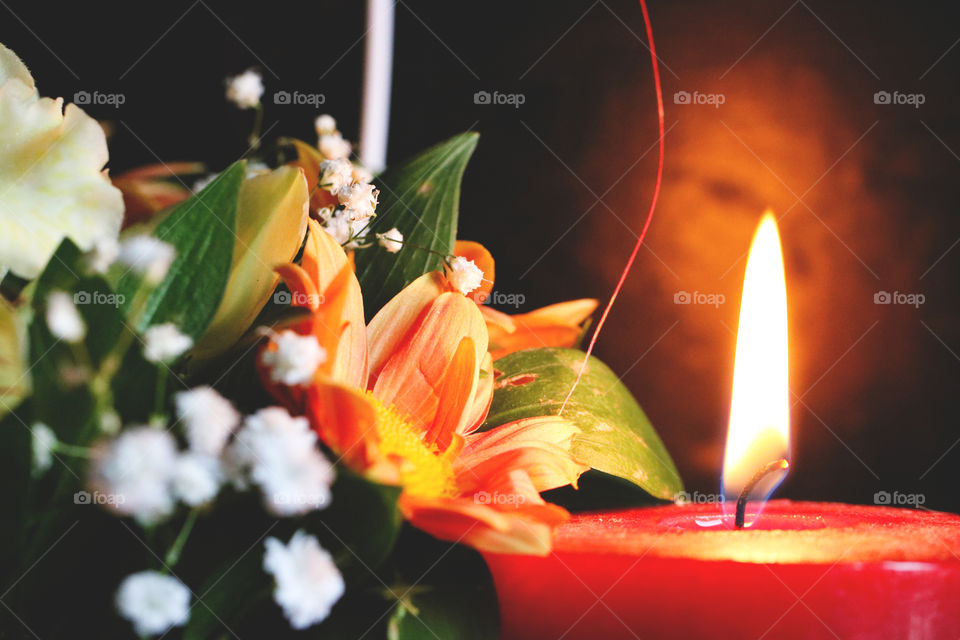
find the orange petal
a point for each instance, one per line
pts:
(325, 261)
(482, 399)
(392, 324)
(323, 257)
(570, 313)
(540, 446)
(456, 392)
(309, 159)
(412, 380)
(345, 422)
(484, 261)
(303, 290)
(511, 521)
(482, 527)
(162, 170)
(557, 325)
(498, 319)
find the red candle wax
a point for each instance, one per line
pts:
(803, 570)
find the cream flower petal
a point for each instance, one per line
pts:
(51, 180)
(12, 67)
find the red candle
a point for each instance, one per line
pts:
(796, 570)
(803, 570)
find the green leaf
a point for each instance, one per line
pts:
(15, 461)
(60, 397)
(64, 406)
(359, 529)
(360, 526)
(445, 591)
(421, 198)
(617, 437)
(201, 231)
(237, 584)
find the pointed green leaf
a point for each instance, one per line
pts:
(617, 437)
(421, 198)
(201, 231)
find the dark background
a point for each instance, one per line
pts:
(559, 186)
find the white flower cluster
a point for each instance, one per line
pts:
(43, 444)
(330, 141)
(153, 602)
(308, 584)
(135, 472)
(164, 343)
(63, 319)
(349, 221)
(141, 473)
(278, 453)
(308, 581)
(464, 275)
(245, 89)
(295, 359)
(142, 254)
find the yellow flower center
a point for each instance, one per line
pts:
(425, 472)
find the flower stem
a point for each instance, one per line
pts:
(254, 139)
(173, 554)
(161, 392)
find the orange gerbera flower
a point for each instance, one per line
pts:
(401, 402)
(557, 325)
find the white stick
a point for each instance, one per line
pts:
(378, 69)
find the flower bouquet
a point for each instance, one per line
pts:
(277, 400)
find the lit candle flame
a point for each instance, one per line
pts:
(759, 431)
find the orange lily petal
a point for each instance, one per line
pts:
(498, 319)
(557, 325)
(412, 379)
(162, 170)
(302, 287)
(325, 261)
(540, 446)
(393, 322)
(482, 399)
(345, 422)
(455, 394)
(570, 313)
(484, 261)
(309, 159)
(520, 523)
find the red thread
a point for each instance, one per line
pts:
(653, 204)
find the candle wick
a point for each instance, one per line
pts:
(762, 472)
